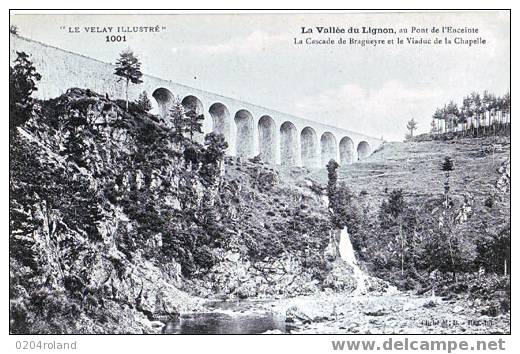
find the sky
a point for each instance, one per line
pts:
(252, 57)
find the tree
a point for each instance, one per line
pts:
(13, 29)
(506, 106)
(22, 84)
(469, 108)
(451, 113)
(332, 175)
(447, 247)
(487, 105)
(144, 102)
(494, 106)
(212, 156)
(447, 167)
(411, 126)
(394, 209)
(398, 227)
(447, 220)
(128, 67)
(437, 117)
(466, 112)
(433, 127)
(185, 122)
(194, 123)
(476, 107)
(332, 192)
(178, 121)
(216, 147)
(463, 118)
(494, 252)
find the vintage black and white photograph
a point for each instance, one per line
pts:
(341, 172)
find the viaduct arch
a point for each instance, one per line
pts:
(276, 141)
(249, 129)
(267, 139)
(363, 150)
(346, 151)
(309, 148)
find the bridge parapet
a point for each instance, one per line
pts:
(250, 130)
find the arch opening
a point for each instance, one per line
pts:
(244, 139)
(346, 151)
(266, 139)
(309, 147)
(192, 103)
(328, 148)
(288, 144)
(221, 119)
(165, 100)
(363, 150)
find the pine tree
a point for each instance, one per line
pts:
(216, 147)
(451, 115)
(437, 117)
(447, 219)
(194, 123)
(433, 127)
(212, 155)
(411, 126)
(128, 67)
(179, 122)
(507, 106)
(22, 84)
(447, 167)
(476, 108)
(332, 175)
(391, 215)
(144, 102)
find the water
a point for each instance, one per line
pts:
(346, 252)
(230, 317)
(243, 317)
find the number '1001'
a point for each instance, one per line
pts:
(115, 39)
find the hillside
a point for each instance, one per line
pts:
(415, 168)
(119, 224)
(114, 215)
(479, 212)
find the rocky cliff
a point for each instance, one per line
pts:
(114, 225)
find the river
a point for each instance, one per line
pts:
(361, 311)
(231, 317)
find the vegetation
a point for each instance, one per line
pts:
(411, 126)
(447, 167)
(22, 83)
(478, 114)
(128, 67)
(114, 192)
(97, 192)
(422, 239)
(144, 103)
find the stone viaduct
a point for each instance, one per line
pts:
(249, 129)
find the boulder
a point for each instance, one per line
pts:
(294, 315)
